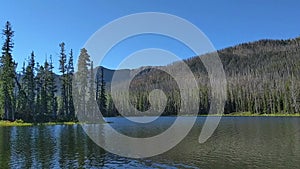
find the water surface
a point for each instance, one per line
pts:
(238, 142)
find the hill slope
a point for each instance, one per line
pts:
(262, 76)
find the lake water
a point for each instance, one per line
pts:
(238, 142)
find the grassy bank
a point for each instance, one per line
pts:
(21, 123)
(249, 114)
(14, 123)
(58, 123)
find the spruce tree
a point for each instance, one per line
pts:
(40, 94)
(82, 80)
(52, 90)
(29, 85)
(70, 72)
(21, 104)
(91, 106)
(62, 68)
(102, 99)
(98, 86)
(7, 74)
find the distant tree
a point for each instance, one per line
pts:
(98, 85)
(102, 97)
(111, 108)
(7, 74)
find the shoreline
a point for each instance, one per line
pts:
(16, 123)
(4, 123)
(249, 114)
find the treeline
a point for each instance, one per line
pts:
(32, 94)
(263, 77)
(37, 94)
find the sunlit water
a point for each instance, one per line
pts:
(238, 142)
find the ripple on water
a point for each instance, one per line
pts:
(238, 142)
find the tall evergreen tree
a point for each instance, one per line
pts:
(21, 104)
(91, 102)
(82, 80)
(98, 86)
(52, 90)
(48, 82)
(102, 97)
(7, 74)
(70, 72)
(40, 94)
(62, 68)
(29, 85)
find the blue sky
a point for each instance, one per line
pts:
(41, 25)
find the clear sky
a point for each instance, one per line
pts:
(41, 25)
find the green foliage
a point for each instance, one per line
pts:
(19, 121)
(26, 98)
(63, 78)
(70, 73)
(91, 108)
(15, 123)
(100, 92)
(7, 74)
(82, 80)
(263, 78)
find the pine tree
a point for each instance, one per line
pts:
(8, 74)
(40, 94)
(82, 80)
(62, 67)
(29, 85)
(70, 72)
(98, 86)
(44, 95)
(102, 97)
(52, 90)
(47, 86)
(21, 104)
(91, 106)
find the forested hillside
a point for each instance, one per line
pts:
(263, 77)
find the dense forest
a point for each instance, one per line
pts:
(262, 77)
